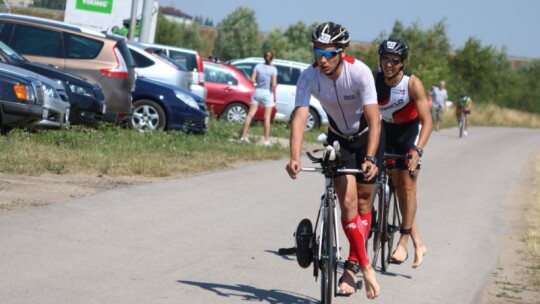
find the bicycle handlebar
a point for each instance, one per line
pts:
(341, 170)
(395, 156)
(329, 161)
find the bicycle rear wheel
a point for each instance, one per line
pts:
(392, 227)
(377, 222)
(328, 263)
(461, 125)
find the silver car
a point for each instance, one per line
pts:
(288, 73)
(189, 59)
(154, 67)
(55, 106)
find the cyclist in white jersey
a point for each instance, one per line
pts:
(346, 89)
(407, 124)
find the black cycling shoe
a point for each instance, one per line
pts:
(303, 236)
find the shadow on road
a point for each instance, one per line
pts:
(249, 293)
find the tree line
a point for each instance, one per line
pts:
(483, 72)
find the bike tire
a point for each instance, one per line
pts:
(376, 223)
(394, 223)
(461, 125)
(385, 235)
(328, 256)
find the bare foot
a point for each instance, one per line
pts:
(419, 254)
(372, 287)
(399, 256)
(347, 282)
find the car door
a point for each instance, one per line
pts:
(39, 45)
(285, 92)
(222, 87)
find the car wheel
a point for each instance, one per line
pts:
(313, 120)
(236, 112)
(148, 116)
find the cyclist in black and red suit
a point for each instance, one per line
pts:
(407, 123)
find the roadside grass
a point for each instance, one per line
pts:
(492, 115)
(532, 238)
(116, 151)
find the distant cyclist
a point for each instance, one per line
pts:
(464, 106)
(346, 89)
(407, 124)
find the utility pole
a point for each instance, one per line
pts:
(133, 20)
(148, 7)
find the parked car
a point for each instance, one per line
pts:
(191, 60)
(95, 56)
(55, 102)
(161, 106)
(229, 92)
(288, 73)
(21, 101)
(152, 66)
(87, 102)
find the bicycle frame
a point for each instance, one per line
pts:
(328, 249)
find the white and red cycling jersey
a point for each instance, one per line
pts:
(343, 99)
(395, 103)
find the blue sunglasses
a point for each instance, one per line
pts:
(328, 54)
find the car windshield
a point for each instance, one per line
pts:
(10, 52)
(170, 60)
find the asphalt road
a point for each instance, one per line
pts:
(213, 238)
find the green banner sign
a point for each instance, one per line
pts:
(99, 6)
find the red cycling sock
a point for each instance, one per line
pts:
(355, 232)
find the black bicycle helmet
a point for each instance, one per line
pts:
(394, 46)
(331, 33)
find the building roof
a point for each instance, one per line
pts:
(167, 10)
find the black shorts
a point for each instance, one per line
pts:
(353, 152)
(400, 139)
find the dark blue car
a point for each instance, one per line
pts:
(160, 106)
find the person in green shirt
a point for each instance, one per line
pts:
(464, 106)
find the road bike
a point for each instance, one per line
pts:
(385, 215)
(320, 244)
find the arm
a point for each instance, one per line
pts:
(416, 92)
(274, 85)
(373, 117)
(298, 126)
(254, 76)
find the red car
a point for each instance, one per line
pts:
(229, 92)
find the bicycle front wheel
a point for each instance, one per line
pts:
(393, 225)
(377, 222)
(328, 262)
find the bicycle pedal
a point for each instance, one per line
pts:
(359, 284)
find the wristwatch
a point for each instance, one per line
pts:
(372, 159)
(419, 150)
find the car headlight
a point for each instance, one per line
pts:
(50, 91)
(190, 101)
(81, 90)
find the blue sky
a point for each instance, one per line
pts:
(499, 23)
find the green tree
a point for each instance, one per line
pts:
(238, 35)
(275, 41)
(429, 52)
(50, 4)
(480, 70)
(177, 34)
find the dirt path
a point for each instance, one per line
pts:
(18, 192)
